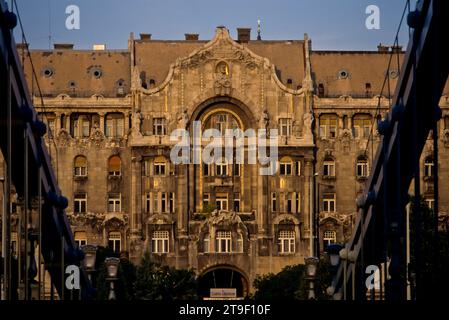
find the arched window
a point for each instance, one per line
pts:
(114, 166)
(428, 167)
(80, 166)
(286, 166)
(329, 167)
(222, 121)
(362, 167)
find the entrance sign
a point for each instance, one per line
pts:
(223, 293)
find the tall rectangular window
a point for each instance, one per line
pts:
(163, 202)
(285, 168)
(147, 202)
(160, 242)
(115, 241)
(236, 169)
(222, 202)
(237, 202)
(51, 124)
(328, 127)
(114, 125)
(206, 169)
(224, 242)
(298, 168)
(285, 126)
(172, 202)
(114, 202)
(86, 128)
(286, 242)
(159, 168)
(329, 168)
(298, 202)
(80, 203)
(273, 201)
(362, 168)
(329, 204)
(159, 126)
(221, 169)
(289, 202)
(361, 127)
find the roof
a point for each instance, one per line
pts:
(80, 73)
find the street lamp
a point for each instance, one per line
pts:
(90, 256)
(311, 272)
(112, 270)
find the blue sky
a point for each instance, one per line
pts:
(332, 24)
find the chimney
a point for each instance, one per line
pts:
(63, 46)
(192, 36)
(396, 49)
(382, 48)
(243, 35)
(99, 47)
(145, 36)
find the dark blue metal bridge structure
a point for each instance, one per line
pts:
(29, 169)
(379, 232)
(379, 235)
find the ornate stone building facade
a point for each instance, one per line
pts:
(110, 114)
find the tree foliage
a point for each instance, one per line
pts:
(291, 283)
(434, 252)
(156, 282)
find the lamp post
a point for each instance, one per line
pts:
(112, 270)
(90, 256)
(311, 271)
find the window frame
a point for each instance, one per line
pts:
(286, 242)
(81, 199)
(224, 242)
(114, 202)
(328, 202)
(160, 242)
(159, 126)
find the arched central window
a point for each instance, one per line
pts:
(221, 121)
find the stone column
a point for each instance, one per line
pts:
(58, 123)
(136, 224)
(126, 126)
(262, 209)
(102, 115)
(308, 201)
(67, 121)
